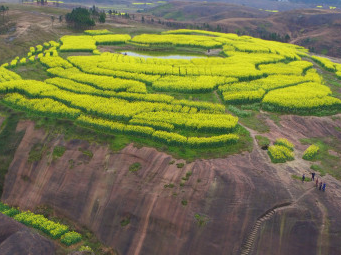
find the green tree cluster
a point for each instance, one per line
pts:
(80, 18)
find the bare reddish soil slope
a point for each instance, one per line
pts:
(15, 238)
(246, 205)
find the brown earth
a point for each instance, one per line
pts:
(15, 238)
(230, 194)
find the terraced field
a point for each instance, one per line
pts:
(115, 93)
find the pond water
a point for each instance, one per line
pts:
(160, 55)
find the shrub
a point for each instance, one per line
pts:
(71, 238)
(85, 248)
(311, 152)
(58, 151)
(284, 142)
(135, 167)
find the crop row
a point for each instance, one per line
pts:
(110, 108)
(177, 40)
(329, 65)
(55, 61)
(6, 75)
(198, 121)
(161, 136)
(88, 43)
(52, 229)
(105, 107)
(303, 98)
(284, 142)
(192, 106)
(190, 84)
(280, 154)
(99, 81)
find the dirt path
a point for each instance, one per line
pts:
(310, 35)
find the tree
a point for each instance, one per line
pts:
(110, 13)
(79, 18)
(3, 10)
(218, 28)
(52, 19)
(94, 12)
(60, 18)
(102, 17)
(287, 38)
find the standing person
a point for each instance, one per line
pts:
(303, 178)
(324, 187)
(320, 186)
(317, 182)
(312, 176)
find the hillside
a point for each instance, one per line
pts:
(133, 139)
(316, 29)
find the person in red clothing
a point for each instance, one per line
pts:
(317, 182)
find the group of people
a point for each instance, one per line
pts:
(319, 184)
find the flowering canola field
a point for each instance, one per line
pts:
(115, 93)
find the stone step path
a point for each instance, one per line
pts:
(247, 245)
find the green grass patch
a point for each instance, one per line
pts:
(201, 219)
(262, 140)
(86, 152)
(319, 169)
(238, 112)
(36, 153)
(180, 165)
(134, 167)
(254, 107)
(296, 177)
(58, 151)
(275, 117)
(32, 71)
(255, 122)
(125, 222)
(170, 185)
(328, 163)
